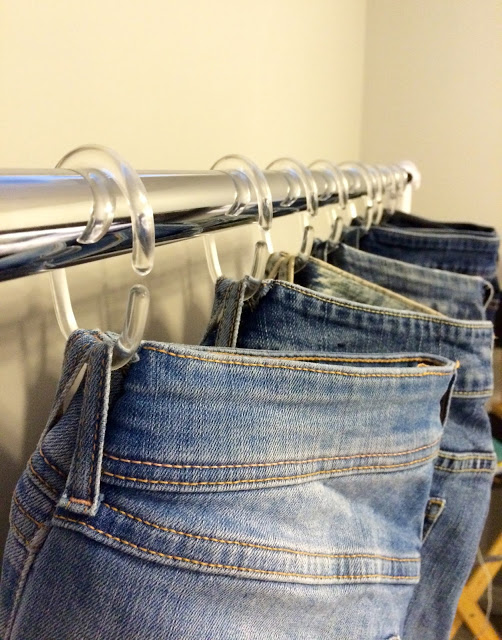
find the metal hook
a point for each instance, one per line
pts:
(113, 169)
(302, 173)
(239, 167)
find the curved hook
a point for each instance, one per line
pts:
(341, 187)
(302, 173)
(239, 167)
(113, 169)
(370, 194)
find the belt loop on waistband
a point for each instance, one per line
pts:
(81, 493)
(229, 313)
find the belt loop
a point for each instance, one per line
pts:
(82, 491)
(230, 314)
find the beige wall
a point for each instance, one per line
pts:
(169, 85)
(433, 93)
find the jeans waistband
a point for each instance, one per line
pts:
(457, 295)
(188, 419)
(401, 219)
(285, 314)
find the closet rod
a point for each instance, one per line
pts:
(42, 212)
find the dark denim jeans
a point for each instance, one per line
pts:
(306, 316)
(205, 493)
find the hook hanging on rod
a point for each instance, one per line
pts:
(52, 209)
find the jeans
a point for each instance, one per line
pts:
(461, 248)
(204, 493)
(455, 295)
(306, 316)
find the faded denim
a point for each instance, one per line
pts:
(214, 494)
(461, 248)
(307, 315)
(455, 295)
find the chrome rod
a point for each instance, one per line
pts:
(43, 212)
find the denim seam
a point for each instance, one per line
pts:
(230, 340)
(433, 518)
(366, 284)
(404, 314)
(341, 359)
(279, 478)
(472, 470)
(260, 546)
(484, 392)
(26, 542)
(277, 366)
(52, 466)
(96, 426)
(236, 568)
(40, 479)
(468, 456)
(271, 464)
(222, 317)
(15, 499)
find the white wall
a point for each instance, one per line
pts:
(170, 85)
(433, 93)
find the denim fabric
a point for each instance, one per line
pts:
(291, 316)
(458, 296)
(205, 493)
(456, 248)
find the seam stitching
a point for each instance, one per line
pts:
(255, 480)
(277, 366)
(270, 464)
(236, 568)
(24, 512)
(52, 466)
(20, 534)
(39, 477)
(439, 468)
(259, 546)
(461, 457)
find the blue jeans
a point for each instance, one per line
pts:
(455, 295)
(307, 316)
(460, 248)
(206, 493)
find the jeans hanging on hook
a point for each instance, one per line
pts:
(212, 493)
(327, 309)
(461, 248)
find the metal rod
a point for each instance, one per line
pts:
(42, 212)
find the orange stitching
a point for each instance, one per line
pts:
(226, 566)
(403, 314)
(254, 480)
(80, 501)
(370, 360)
(52, 466)
(260, 546)
(51, 489)
(23, 511)
(20, 534)
(269, 464)
(279, 366)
